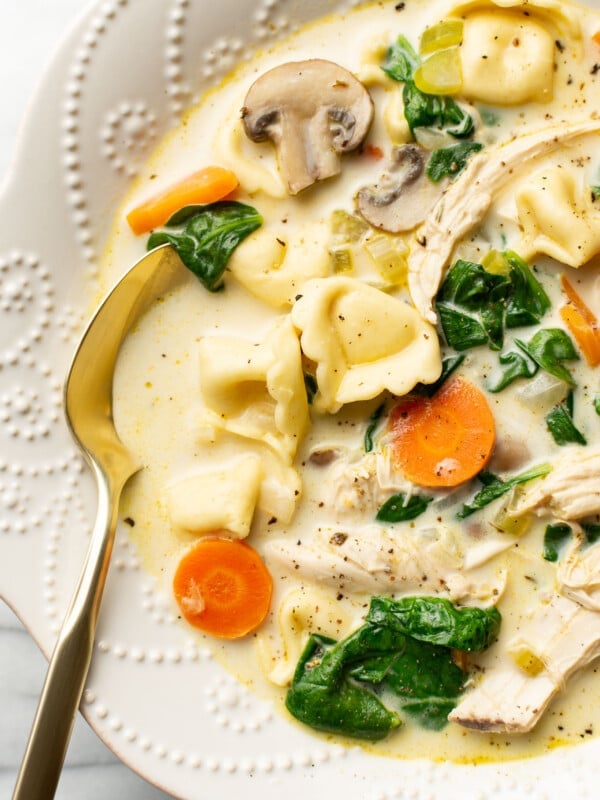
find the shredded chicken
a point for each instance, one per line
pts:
(467, 200)
(373, 560)
(362, 484)
(571, 491)
(560, 638)
(578, 574)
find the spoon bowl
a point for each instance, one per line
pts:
(89, 414)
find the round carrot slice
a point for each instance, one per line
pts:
(443, 440)
(223, 587)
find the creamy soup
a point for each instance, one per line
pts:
(394, 393)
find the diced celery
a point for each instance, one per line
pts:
(506, 521)
(441, 73)
(446, 33)
(342, 259)
(348, 227)
(495, 263)
(528, 661)
(389, 255)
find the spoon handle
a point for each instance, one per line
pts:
(67, 671)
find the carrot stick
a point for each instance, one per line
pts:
(582, 323)
(206, 186)
(443, 440)
(223, 587)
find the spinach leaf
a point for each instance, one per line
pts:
(461, 331)
(471, 304)
(548, 348)
(207, 237)
(476, 305)
(402, 652)
(555, 536)
(423, 678)
(424, 110)
(435, 111)
(595, 192)
(322, 697)
(494, 487)
(560, 424)
(449, 161)
(591, 531)
(398, 509)
(449, 364)
(528, 301)
(401, 60)
(596, 402)
(436, 621)
(372, 427)
(518, 365)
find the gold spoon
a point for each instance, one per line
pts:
(88, 409)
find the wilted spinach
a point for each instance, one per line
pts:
(448, 161)
(374, 420)
(555, 537)
(403, 653)
(494, 487)
(398, 509)
(516, 365)
(549, 347)
(207, 236)
(422, 110)
(561, 425)
(476, 306)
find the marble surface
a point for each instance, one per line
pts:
(29, 34)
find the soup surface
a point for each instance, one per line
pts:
(391, 392)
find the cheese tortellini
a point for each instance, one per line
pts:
(507, 58)
(217, 500)
(363, 341)
(273, 266)
(256, 390)
(558, 218)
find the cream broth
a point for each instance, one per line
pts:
(161, 416)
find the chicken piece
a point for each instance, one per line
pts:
(560, 638)
(578, 574)
(571, 491)
(467, 200)
(376, 560)
(362, 484)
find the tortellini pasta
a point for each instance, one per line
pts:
(274, 267)
(256, 390)
(216, 500)
(507, 58)
(363, 341)
(301, 613)
(558, 218)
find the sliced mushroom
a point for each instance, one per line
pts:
(312, 111)
(404, 195)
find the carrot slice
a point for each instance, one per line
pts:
(596, 37)
(443, 440)
(223, 587)
(205, 186)
(582, 323)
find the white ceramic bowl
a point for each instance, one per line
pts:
(120, 80)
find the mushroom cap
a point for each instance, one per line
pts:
(312, 111)
(404, 195)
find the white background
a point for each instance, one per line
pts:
(30, 31)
